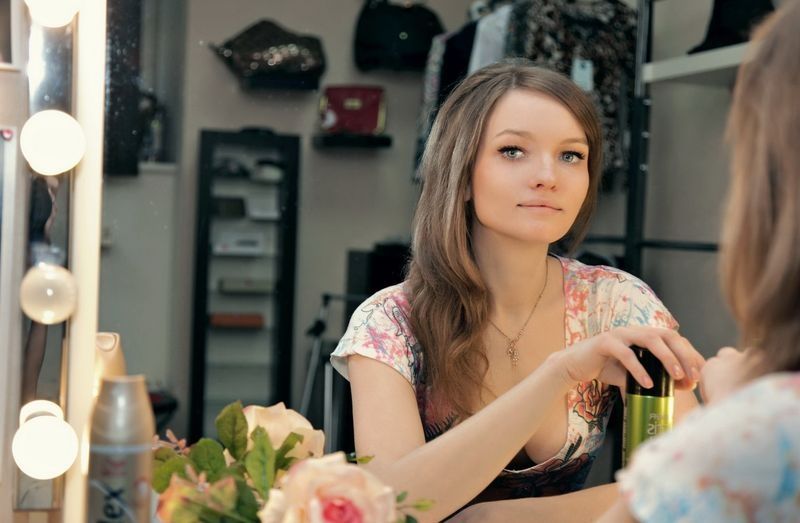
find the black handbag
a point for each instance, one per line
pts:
(394, 36)
(267, 55)
(731, 22)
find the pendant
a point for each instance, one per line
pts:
(512, 352)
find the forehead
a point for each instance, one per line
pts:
(533, 112)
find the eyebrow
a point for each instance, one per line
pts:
(526, 134)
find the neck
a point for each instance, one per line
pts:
(513, 271)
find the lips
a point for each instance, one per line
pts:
(540, 205)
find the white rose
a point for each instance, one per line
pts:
(279, 422)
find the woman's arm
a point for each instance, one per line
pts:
(456, 466)
(453, 468)
(575, 507)
(618, 513)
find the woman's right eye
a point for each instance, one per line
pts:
(512, 152)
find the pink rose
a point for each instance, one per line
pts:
(329, 490)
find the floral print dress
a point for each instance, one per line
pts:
(597, 299)
(734, 461)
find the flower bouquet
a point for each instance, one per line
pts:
(268, 467)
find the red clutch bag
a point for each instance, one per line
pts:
(353, 109)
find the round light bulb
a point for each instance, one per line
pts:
(45, 445)
(52, 142)
(48, 293)
(53, 13)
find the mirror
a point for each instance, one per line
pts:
(349, 199)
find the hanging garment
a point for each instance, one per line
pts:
(490, 39)
(594, 42)
(448, 64)
(455, 62)
(430, 96)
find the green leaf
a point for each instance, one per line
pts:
(402, 496)
(423, 504)
(362, 460)
(163, 473)
(222, 495)
(232, 429)
(236, 469)
(163, 454)
(260, 462)
(207, 457)
(246, 503)
(411, 519)
(282, 462)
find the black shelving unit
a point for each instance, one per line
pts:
(251, 363)
(634, 240)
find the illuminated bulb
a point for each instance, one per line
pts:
(45, 445)
(52, 142)
(48, 293)
(53, 13)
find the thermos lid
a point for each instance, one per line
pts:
(663, 383)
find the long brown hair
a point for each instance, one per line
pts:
(760, 259)
(449, 299)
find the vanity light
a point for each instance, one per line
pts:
(48, 293)
(53, 13)
(45, 445)
(52, 142)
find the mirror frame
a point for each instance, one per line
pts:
(88, 74)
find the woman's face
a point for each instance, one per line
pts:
(532, 170)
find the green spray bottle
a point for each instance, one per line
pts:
(648, 412)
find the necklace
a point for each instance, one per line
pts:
(511, 348)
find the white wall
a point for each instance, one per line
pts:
(135, 281)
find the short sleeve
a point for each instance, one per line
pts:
(738, 460)
(635, 303)
(379, 329)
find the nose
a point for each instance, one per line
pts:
(543, 175)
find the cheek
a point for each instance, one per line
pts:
(579, 190)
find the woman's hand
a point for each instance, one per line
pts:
(723, 373)
(607, 356)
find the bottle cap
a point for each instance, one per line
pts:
(663, 385)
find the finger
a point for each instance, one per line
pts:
(653, 340)
(623, 353)
(678, 356)
(686, 384)
(727, 351)
(691, 360)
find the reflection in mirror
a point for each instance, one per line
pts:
(46, 282)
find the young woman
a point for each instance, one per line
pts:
(486, 374)
(738, 459)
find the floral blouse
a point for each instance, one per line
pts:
(597, 299)
(735, 461)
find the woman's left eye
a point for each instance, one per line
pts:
(572, 156)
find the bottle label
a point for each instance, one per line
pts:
(119, 483)
(645, 417)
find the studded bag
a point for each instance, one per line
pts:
(267, 55)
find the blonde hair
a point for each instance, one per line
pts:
(760, 262)
(449, 300)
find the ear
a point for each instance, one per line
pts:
(468, 193)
